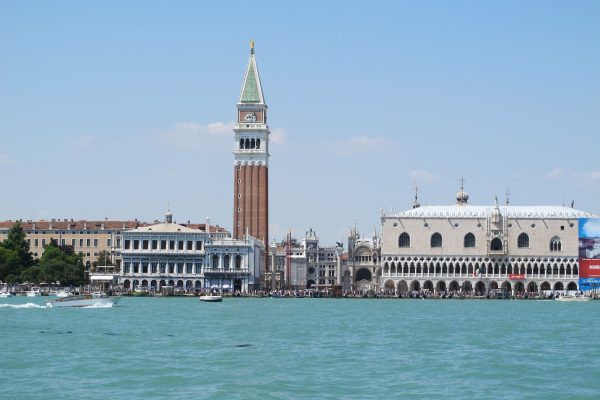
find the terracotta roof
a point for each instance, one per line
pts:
(95, 225)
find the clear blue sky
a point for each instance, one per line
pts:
(117, 108)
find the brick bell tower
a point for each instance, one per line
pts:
(251, 155)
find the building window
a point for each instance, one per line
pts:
(171, 245)
(136, 244)
(496, 244)
(469, 240)
(153, 267)
(436, 240)
(555, 244)
(145, 244)
(43, 242)
(180, 268)
(198, 268)
(171, 268)
(523, 241)
(73, 243)
(198, 245)
(95, 242)
(108, 242)
(154, 244)
(35, 241)
(88, 242)
(163, 268)
(188, 268)
(118, 242)
(126, 267)
(127, 244)
(163, 244)
(404, 240)
(190, 246)
(145, 268)
(180, 245)
(136, 268)
(80, 243)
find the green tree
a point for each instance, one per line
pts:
(32, 274)
(9, 265)
(17, 242)
(58, 264)
(103, 259)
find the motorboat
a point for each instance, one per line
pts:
(573, 298)
(63, 293)
(5, 295)
(34, 292)
(85, 300)
(211, 298)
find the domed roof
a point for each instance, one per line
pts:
(462, 197)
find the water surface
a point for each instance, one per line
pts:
(300, 348)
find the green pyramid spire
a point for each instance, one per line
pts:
(252, 89)
(250, 93)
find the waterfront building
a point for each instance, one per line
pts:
(362, 270)
(84, 236)
(480, 249)
(305, 263)
(174, 255)
(251, 159)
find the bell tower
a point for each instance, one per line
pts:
(251, 159)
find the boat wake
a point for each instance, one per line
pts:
(91, 306)
(26, 305)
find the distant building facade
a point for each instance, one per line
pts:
(84, 236)
(479, 249)
(306, 264)
(362, 269)
(174, 255)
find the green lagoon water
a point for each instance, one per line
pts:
(300, 349)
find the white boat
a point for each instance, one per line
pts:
(85, 300)
(573, 298)
(5, 295)
(34, 292)
(63, 293)
(212, 298)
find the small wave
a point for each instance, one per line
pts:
(26, 305)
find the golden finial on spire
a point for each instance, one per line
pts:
(251, 46)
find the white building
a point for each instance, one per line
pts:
(478, 249)
(169, 254)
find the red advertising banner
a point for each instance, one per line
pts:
(589, 268)
(516, 277)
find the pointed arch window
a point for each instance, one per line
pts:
(555, 244)
(404, 240)
(523, 241)
(469, 240)
(436, 240)
(496, 244)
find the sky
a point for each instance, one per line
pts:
(121, 109)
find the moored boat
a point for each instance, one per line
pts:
(211, 298)
(34, 292)
(85, 300)
(5, 295)
(573, 298)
